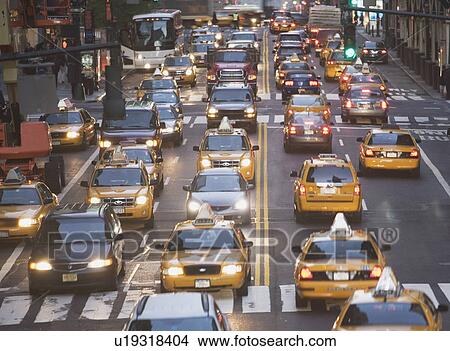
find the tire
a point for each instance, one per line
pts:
(299, 216)
(415, 173)
(247, 219)
(93, 140)
(114, 284)
(33, 290)
(149, 224)
(60, 161)
(287, 148)
(162, 289)
(122, 269)
(243, 290)
(357, 216)
(300, 302)
(84, 143)
(52, 177)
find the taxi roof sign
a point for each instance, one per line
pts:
(14, 176)
(205, 215)
(365, 68)
(65, 104)
(387, 284)
(340, 227)
(294, 58)
(118, 157)
(225, 126)
(358, 63)
(157, 73)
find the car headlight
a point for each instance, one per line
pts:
(189, 71)
(140, 57)
(216, 45)
(192, 57)
(105, 143)
(141, 200)
(147, 66)
(250, 110)
(193, 206)
(241, 204)
(256, 45)
(165, 72)
(205, 162)
(253, 20)
(252, 77)
(72, 135)
(99, 263)
(212, 110)
(94, 200)
(173, 271)
(41, 266)
(211, 77)
(151, 143)
(27, 222)
(245, 162)
(218, 36)
(232, 269)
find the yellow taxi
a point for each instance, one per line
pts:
(347, 73)
(153, 162)
(390, 307)
(158, 82)
(227, 147)
(335, 65)
(365, 77)
(389, 148)
(327, 184)
(125, 185)
(332, 44)
(71, 127)
(23, 205)
(309, 103)
(334, 263)
(292, 64)
(206, 254)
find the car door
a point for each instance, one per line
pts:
(48, 199)
(114, 225)
(89, 124)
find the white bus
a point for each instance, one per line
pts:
(151, 37)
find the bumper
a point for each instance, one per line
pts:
(247, 172)
(330, 207)
(298, 90)
(229, 214)
(308, 140)
(391, 164)
(374, 58)
(65, 142)
(217, 282)
(236, 121)
(332, 289)
(355, 112)
(14, 233)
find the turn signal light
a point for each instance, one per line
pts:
(305, 273)
(414, 153)
(357, 190)
(365, 51)
(369, 153)
(302, 189)
(292, 130)
(376, 272)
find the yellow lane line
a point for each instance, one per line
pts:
(258, 213)
(266, 213)
(267, 67)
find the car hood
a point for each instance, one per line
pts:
(64, 128)
(189, 257)
(234, 106)
(11, 212)
(117, 191)
(218, 198)
(223, 155)
(82, 251)
(137, 135)
(176, 68)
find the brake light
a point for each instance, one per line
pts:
(304, 58)
(302, 189)
(313, 83)
(383, 51)
(414, 153)
(348, 104)
(275, 24)
(292, 130)
(326, 130)
(384, 105)
(365, 51)
(305, 273)
(289, 83)
(281, 74)
(290, 111)
(331, 62)
(376, 272)
(271, 20)
(314, 30)
(211, 77)
(307, 40)
(292, 25)
(345, 78)
(369, 153)
(357, 190)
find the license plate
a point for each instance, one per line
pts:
(56, 142)
(4, 234)
(391, 154)
(309, 132)
(328, 190)
(119, 210)
(69, 277)
(341, 276)
(202, 283)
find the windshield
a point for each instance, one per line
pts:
(306, 119)
(385, 313)
(19, 196)
(132, 154)
(134, 119)
(203, 239)
(204, 38)
(329, 174)
(225, 143)
(201, 47)
(118, 177)
(366, 79)
(334, 44)
(341, 250)
(158, 84)
(365, 93)
(155, 32)
(177, 61)
(231, 56)
(391, 139)
(374, 45)
(172, 324)
(64, 118)
(339, 56)
(298, 66)
(228, 95)
(166, 114)
(70, 230)
(243, 36)
(160, 97)
(306, 101)
(218, 183)
(290, 51)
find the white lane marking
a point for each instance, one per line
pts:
(130, 301)
(338, 118)
(431, 108)
(422, 119)
(54, 308)
(288, 300)
(341, 142)
(167, 181)
(445, 287)
(441, 118)
(200, 120)
(435, 171)
(415, 97)
(144, 240)
(14, 309)
(347, 157)
(263, 118)
(338, 129)
(155, 206)
(130, 278)
(425, 288)
(401, 119)
(187, 119)
(79, 174)
(333, 97)
(195, 97)
(225, 300)
(278, 96)
(257, 300)
(11, 260)
(191, 126)
(399, 98)
(176, 159)
(99, 305)
(278, 118)
(264, 96)
(185, 141)
(364, 205)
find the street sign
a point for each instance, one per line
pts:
(369, 3)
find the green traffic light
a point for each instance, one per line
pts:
(350, 53)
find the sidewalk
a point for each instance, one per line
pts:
(393, 55)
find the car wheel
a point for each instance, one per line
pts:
(415, 173)
(300, 302)
(362, 169)
(52, 176)
(114, 284)
(243, 290)
(299, 216)
(357, 216)
(35, 291)
(287, 147)
(328, 147)
(179, 140)
(149, 224)
(93, 140)
(247, 219)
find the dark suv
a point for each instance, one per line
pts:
(235, 101)
(78, 246)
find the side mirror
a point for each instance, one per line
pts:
(248, 243)
(359, 139)
(94, 163)
(258, 99)
(159, 246)
(294, 174)
(162, 125)
(84, 184)
(196, 148)
(318, 77)
(205, 99)
(448, 132)
(296, 249)
(48, 200)
(154, 182)
(313, 67)
(418, 140)
(442, 308)
(136, 88)
(255, 148)
(55, 199)
(282, 123)
(385, 247)
(250, 186)
(119, 237)
(186, 187)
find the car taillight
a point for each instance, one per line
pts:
(314, 31)
(307, 40)
(211, 77)
(375, 273)
(304, 58)
(313, 83)
(290, 112)
(326, 130)
(365, 51)
(382, 88)
(383, 51)
(292, 25)
(384, 105)
(345, 78)
(331, 62)
(275, 24)
(292, 130)
(326, 112)
(305, 274)
(369, 153)
(289, 83)
(357, 190)
(348, 104)
(302, 189)
(414, 153)
(281, 74)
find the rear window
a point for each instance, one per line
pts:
(301, 66)
(341, 250)
(339, 56)
(290, 37)
(387, 313)
(391, 139)
(366, 79)
(373, 45)
(365, 93)
(329, 174)
(300, 76)
(158, 84)
(172, 324)
(290, 51)
(306, 101)
(306, 118)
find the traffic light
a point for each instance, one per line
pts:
(352, 3)
(350, 41)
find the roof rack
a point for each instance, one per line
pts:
(387, 285)
(340, 227)
(14, 177)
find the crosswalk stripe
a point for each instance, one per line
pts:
(288, 300)
(187, 119)
(99, 305)
(130, 301)
(263, 118)
(401, 119)
(425, 288)
(399, 98)
(257, 300)
(415, 97)
(333, 97)
(54, 308)
(264, 96)
(338, 118)
(195, 97)
(14, 309)
(225, 300)
(445, 288)
(200, 120)
(278, 118)
(441, 118)
(421, 119)
(278, 96)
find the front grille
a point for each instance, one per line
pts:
(239, 114)
(202, 269)
(178, 73)
(69, 267)
(231, 74)
(58, 135)
(219, 208)
(225, 163)
(8, 222)
(122, 202)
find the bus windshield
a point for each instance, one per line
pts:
(155, 32)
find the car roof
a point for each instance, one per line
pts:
(406, 296)
(78, 210)
(390, 131)
(236, 131)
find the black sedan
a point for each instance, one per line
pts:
(165, 97)
(78, 246)
(300, 82)
(373, 51)
(285, 51)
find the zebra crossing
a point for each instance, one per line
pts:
(117, 305)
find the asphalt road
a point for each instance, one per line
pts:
(412, 214)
